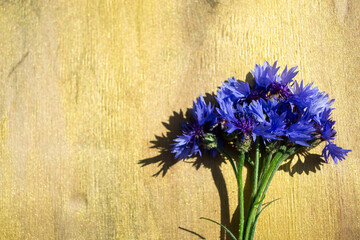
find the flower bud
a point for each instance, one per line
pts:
(209, 141)
(315, 143)
(272, 146)
(243, 144)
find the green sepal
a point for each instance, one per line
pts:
(209, 141)
(244, 144)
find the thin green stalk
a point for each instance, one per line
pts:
(221, 150)
(271, 164)
(256, 199)
(290, 152)
(266, 165)
(262, 161)
(256, 168)
(241, 194)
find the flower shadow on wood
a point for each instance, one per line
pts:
(305, 163)
(165, 160)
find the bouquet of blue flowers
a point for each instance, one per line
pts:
(267, 122)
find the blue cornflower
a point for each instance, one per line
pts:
(310, 99)
(275, 107)
(264, 75)
(327, 133)
(257, 108)
(280, 87)
(279, 90)
(204, 119)
(319, 105)
(202, 113)
(271, 125)
(315, 104)
(287, 76)
(273, 129)
(303, 96)
(301, 131)
(257, 94)
(236, 119)
(239, 92)
(270, 106)
(326, 126)
(336, 153)
(234, 90)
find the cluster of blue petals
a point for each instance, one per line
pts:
(275, 108)
(204, 119)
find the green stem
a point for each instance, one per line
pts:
(290, 152)
(262, 161)
(267, 164)
(255, 200)
(221, 150)
(241, 194)
(256, 168)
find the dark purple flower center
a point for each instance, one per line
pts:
(255, 95)
(245, 123)
(196, 132)
(282, 91)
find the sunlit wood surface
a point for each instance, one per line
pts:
(86, 85)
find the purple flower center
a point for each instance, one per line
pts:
(255, 95)
(245, 123)
(282, 91)
(195, 131)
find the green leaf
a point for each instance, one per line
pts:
(267, 204)
(257, 217)
(260, 201)
(221, 226)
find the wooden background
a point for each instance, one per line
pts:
(92, 91)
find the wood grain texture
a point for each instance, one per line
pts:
(86, 85)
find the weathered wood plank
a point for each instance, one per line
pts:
(86, 85)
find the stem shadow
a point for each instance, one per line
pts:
(192, 232)
(235, 219)
(165, 160)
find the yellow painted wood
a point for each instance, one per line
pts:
(86, 85)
